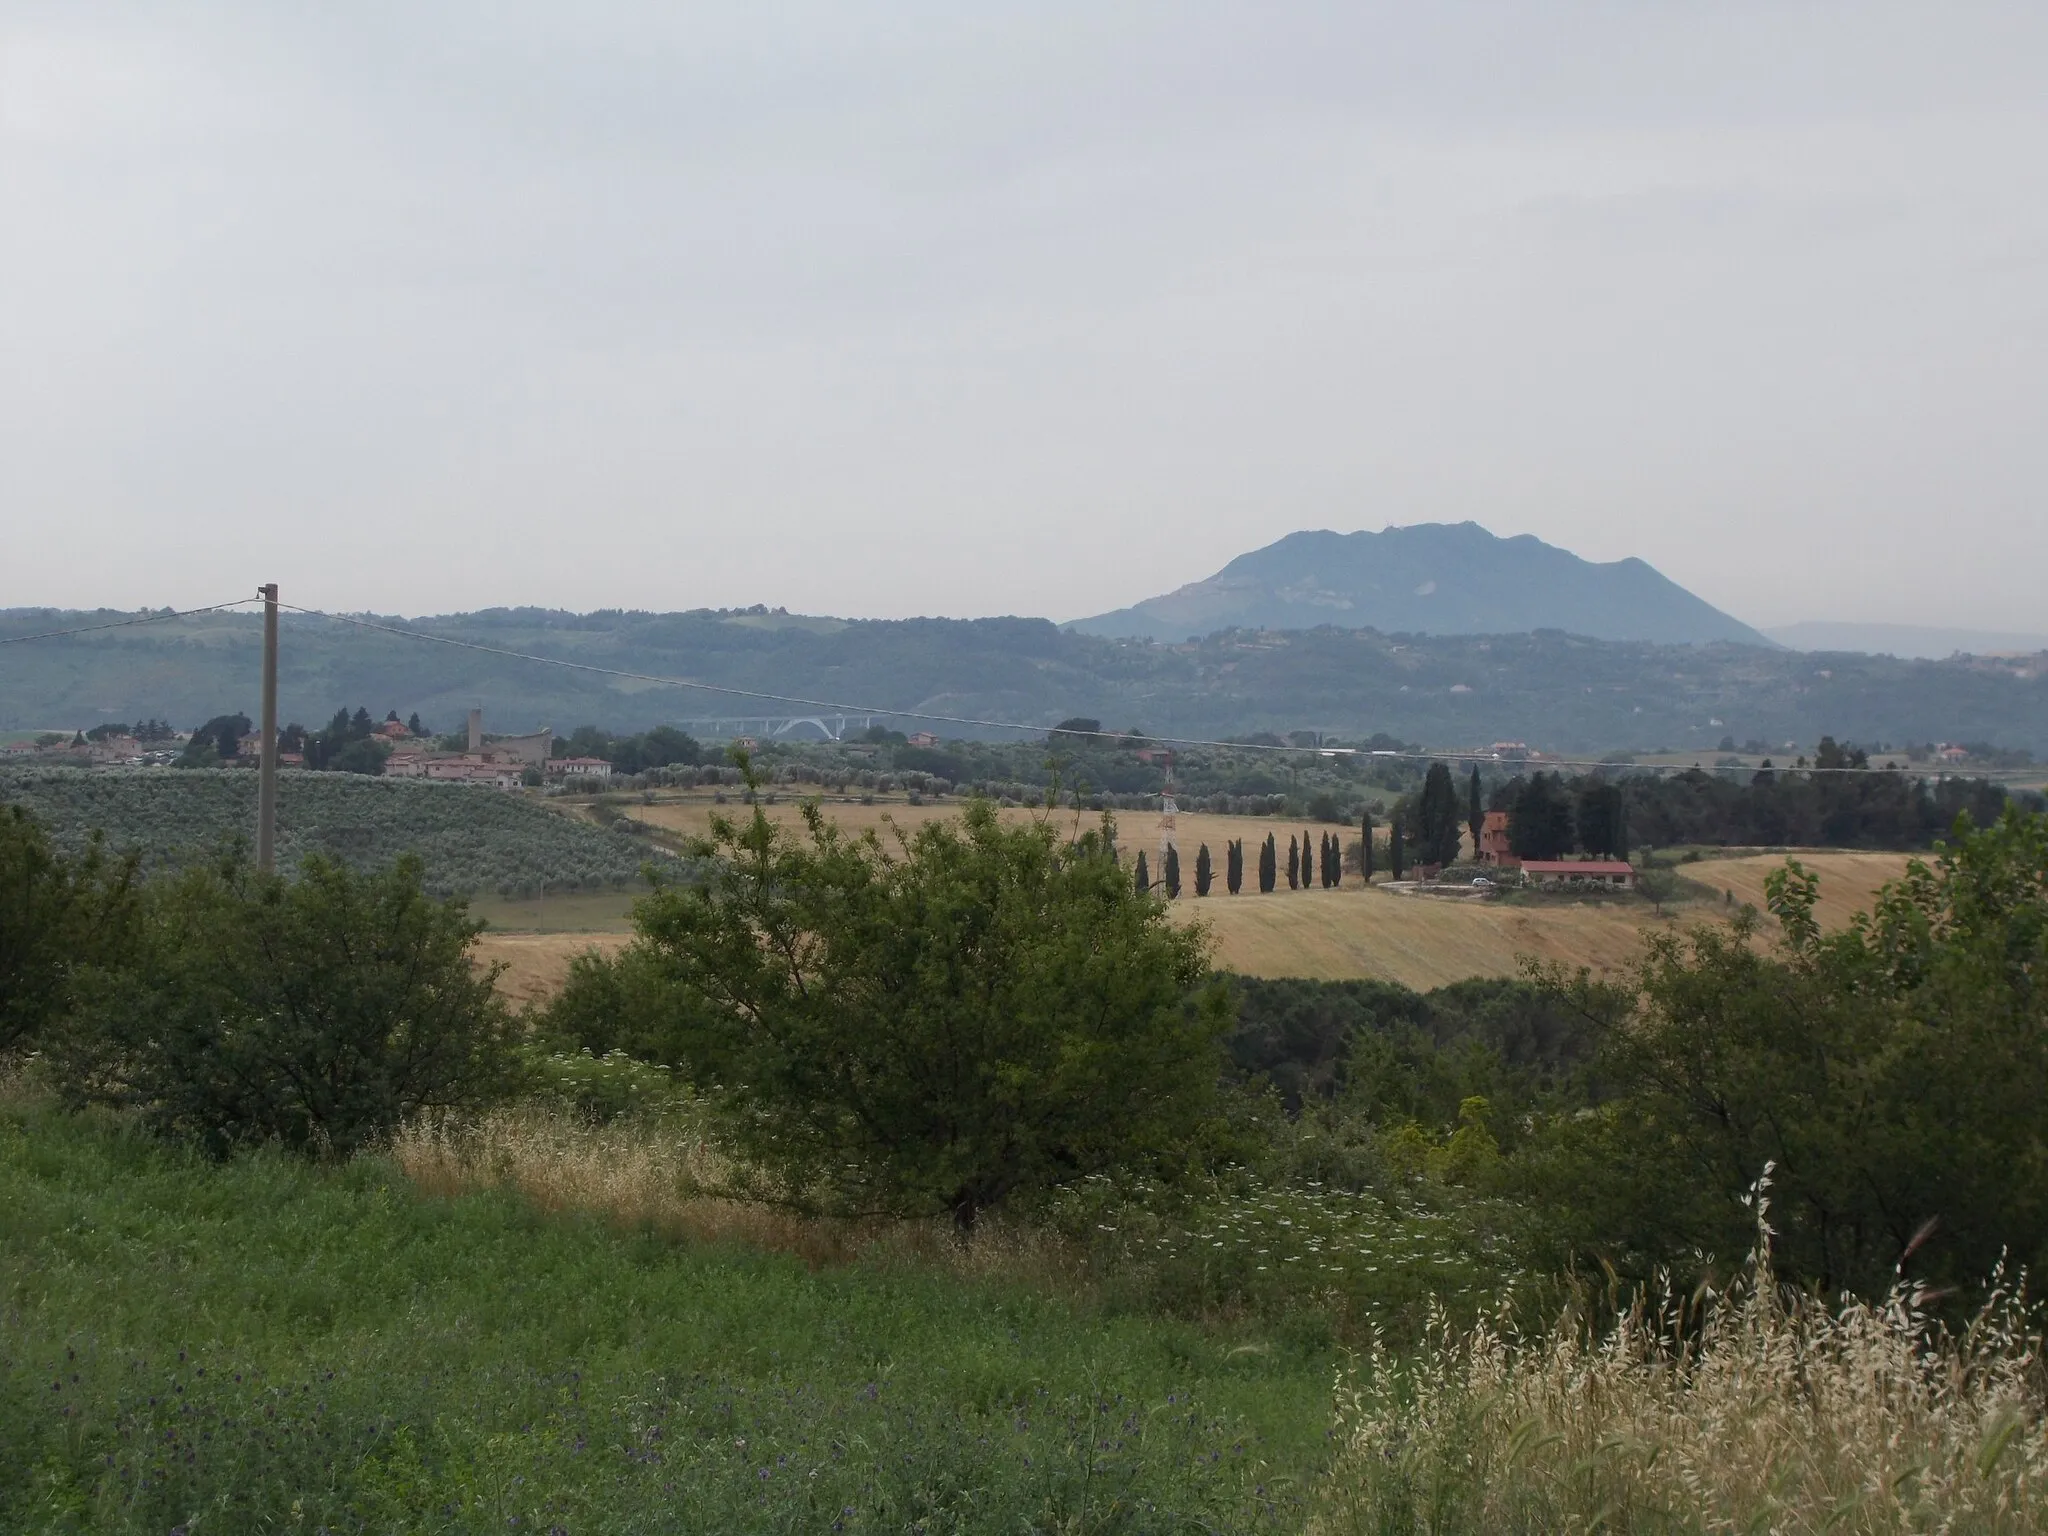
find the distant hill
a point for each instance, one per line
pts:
(1557, 691)
(1916, 640)
(1431, 578)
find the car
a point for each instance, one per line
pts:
(1482, 882)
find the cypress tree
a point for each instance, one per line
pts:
(1269, 860)
(1397, 856)
(1308, 862)
(1205, 874)
(1293, 864)
(1437, 818)
(1233, 865)
(1365, 845)
(1336, 863)
(414, 725)
(1142, 879)
(1170, 876)
(1475, 808)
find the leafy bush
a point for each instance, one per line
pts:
(317, 1012)
(57, 914)
(1893, 1072)
(984, 1010)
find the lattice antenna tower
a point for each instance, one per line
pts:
(1169, 837)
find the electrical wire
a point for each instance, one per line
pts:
(837, 708)
(147, 618)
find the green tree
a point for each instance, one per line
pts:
(1293, 864)
(413, 725)
(1540, 819)
(1308, 861)
(362, 754)
(1365, 851)
(1170, 876)
(1437, 815)
(1141, 880)
(318, 1012)
(58, 916)
(1233, 865)
(1269, 860)
(982, 1009)
(1475, 808)
(1890, 1074)
(1205, 873)
(1397, 854)
(1597, 816)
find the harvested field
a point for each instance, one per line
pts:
(536, 963)
(1849, 882)
(1420, 942)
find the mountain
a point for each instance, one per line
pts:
(1915, 640)
(1434, 579)
(1556, 691)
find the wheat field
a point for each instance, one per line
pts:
(1348, 933)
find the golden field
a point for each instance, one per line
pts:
(1350, 932)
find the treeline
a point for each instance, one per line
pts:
(1792, 808)
(662, 747)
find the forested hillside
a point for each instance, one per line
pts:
(1556, 691)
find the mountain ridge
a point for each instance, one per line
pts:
(1552, 689)
(1428, 578)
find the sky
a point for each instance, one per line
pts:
(892, 309)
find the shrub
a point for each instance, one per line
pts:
(56, 915)
(317, 1012)
(981, 1010)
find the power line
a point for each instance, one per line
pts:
(147, 618)
(837, 708)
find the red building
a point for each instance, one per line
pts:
(1493, 841)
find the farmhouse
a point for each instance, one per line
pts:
(1493, 841)
(923, 739)
(1563, 874)
(580, 768)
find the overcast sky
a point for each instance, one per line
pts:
(990, 308)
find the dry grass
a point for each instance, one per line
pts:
(536, 964)
(1768, 1416)
(1849, 882)
(666, 1174)
(1346, 934)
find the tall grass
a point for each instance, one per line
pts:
(266, 1344)
(665, 1172)
(1749, 1410)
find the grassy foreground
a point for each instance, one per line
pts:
(267, 1345)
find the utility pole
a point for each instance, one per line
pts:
(266, 765)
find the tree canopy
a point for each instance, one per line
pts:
(936, 1024)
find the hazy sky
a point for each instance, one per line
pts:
(980, 308)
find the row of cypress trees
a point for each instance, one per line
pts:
(1322, 864)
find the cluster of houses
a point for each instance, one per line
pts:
(502, 763)
(107, 752)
